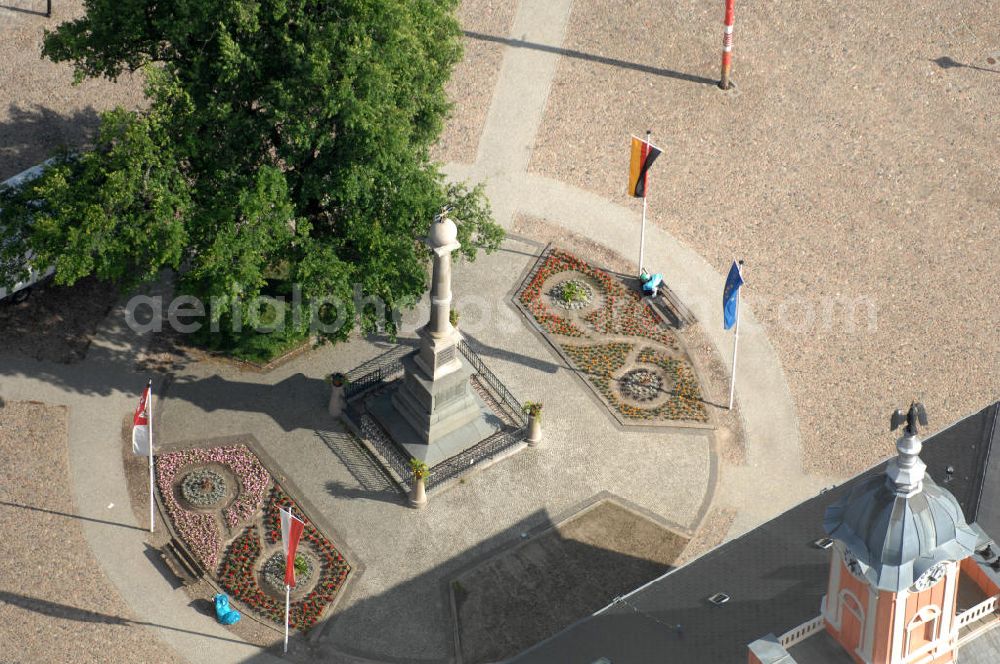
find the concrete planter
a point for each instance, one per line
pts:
(418, 496)
(337, 401)
(534, 430)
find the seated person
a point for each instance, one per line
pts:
(651, 283)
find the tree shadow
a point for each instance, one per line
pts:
(32, 134)
(590, 57)
(945, 62)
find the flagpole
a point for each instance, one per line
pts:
(736, 341)
(288, 591)
(150, 406)
(645, 194)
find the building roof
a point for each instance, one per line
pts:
(774, 575)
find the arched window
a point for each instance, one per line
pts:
(922, 629)
(850, 602)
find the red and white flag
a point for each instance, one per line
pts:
(291, 531)
(141, 423)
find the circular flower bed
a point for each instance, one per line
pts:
(203, 487)
(640, 385)
(273, 570)
(572, 294)
(199, 530)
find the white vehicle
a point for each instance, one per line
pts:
(22, 289)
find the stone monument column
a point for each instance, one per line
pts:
(435, 414)
(438, 348)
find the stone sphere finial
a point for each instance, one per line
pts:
(443, 232)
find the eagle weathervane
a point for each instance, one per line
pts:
(916, 414)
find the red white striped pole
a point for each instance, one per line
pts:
(727, 44)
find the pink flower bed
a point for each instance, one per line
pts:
(199, 529)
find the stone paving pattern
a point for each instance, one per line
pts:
(881, 142)
(855, 162)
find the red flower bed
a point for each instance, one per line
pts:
(623, 312)
(238, 574)
(530, 297)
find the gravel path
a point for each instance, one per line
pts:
(853, 168)
(55, 604)
(473, 79)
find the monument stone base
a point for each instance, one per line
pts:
(435, 444)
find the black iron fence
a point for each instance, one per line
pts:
(375, 372)
(486, 450)
(503, 396)
(379, 374)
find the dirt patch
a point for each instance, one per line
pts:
(65, 610)
(711, 534)
(534, 590)
(57, 323)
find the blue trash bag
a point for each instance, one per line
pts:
(223, 613)
(651, 283)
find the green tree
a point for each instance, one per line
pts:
(283, 139)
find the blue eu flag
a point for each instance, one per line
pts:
(729, 294)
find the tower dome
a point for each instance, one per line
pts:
(896, 538)
(899, 524)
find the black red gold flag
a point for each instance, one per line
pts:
(643, 156)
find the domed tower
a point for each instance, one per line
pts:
(899, 539)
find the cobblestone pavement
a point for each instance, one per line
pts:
(397, 605)
(854, 168)
(407, 556)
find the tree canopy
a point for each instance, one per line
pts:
(283, 139)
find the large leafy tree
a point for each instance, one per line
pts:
(282, 137)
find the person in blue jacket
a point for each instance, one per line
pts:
(651, 283)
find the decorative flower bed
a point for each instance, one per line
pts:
(625, 314)
(640, 385)
(273, 570)
(603, 360)
(239, 571)
(685, 397)
(572, 294)
(199, 530)
(203, 487)
(622, 313)
(238, 576)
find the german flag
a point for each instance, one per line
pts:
(644, 154)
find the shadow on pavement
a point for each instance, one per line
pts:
(569, 53)
(945, 62)
(67, 612)
(70, 516)
(20, 145)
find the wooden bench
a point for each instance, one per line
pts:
(671, 309)
(181, 563)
